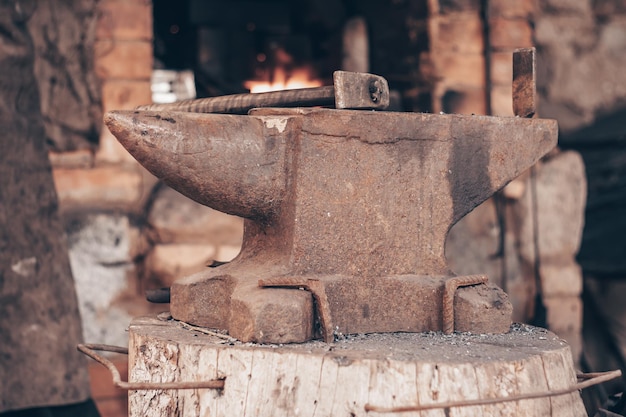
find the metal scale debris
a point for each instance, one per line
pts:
(346, 216)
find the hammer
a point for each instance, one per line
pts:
(350, 90)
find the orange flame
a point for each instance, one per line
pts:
(298, 78)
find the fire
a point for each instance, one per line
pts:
(281, 80)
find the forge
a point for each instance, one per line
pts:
(346, 216)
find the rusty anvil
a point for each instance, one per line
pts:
(346, 214)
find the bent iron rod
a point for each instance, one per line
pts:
(89, 350)
(241, 103)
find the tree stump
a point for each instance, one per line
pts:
(339, 379)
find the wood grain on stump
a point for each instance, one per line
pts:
(339, 379)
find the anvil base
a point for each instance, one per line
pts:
(301, 308)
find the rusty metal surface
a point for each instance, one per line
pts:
(358, 202)
(355, 90)
(524, 82)
(449, 292)
(317, 289)
(350, 90)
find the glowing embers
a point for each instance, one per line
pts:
(283, 75)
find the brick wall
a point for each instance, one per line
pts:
(457, 55)
(100, 193)
(509, 27)
(126, 232)
(584, 87)
(527, 236)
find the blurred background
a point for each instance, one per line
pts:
(554, 239)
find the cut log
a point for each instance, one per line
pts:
(381, 370)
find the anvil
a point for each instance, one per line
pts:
(352, 208)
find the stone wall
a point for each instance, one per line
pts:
(457, 57)
(584, 87)
(129, 233)
(126, 232)
(527, 236)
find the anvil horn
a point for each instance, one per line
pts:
(233, 164)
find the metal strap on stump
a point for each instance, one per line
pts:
(89, 350)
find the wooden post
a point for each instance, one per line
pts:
(349, 376)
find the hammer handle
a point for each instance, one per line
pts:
(241, 103)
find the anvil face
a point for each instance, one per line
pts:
(352, 205)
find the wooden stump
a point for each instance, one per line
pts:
(339, 379)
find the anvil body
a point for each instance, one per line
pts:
(358, 202)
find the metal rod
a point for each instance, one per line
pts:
(89, 350)
(449, 290)
(241, 103)
(597, 378)
(525, 82)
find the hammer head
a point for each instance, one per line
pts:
(357, 90)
